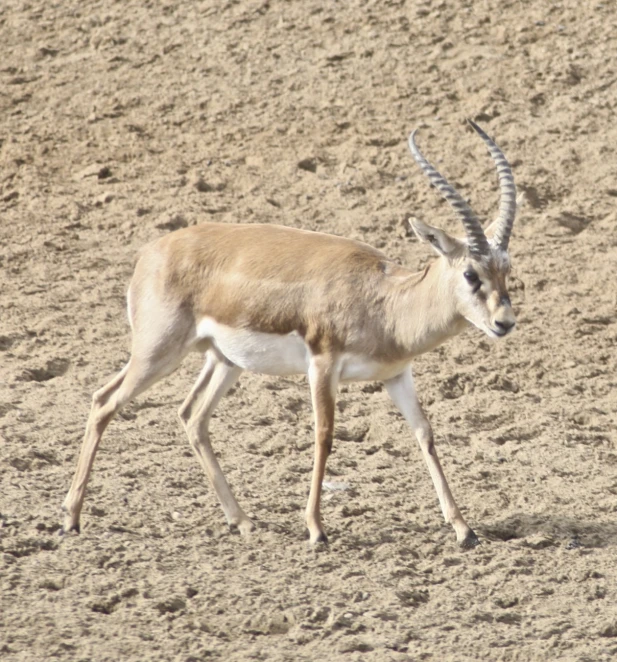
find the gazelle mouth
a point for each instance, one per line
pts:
(498, 332)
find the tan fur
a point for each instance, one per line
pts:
(261, 297)
(338, 294)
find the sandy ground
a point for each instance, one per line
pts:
(120, 121)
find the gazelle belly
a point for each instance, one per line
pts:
(265, 353)
(273, 354)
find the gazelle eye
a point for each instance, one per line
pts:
(471, 276)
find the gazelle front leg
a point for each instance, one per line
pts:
(403, 393)
(323, 380)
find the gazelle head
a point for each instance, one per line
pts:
(475, 266)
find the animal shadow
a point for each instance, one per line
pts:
(554, 529)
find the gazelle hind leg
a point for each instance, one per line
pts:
(403, 394)
(215, 379)
(137, 376)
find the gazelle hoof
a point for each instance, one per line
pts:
(470, 541)
(67, 528)
(71, 521)
(320, 538)
(243, 527)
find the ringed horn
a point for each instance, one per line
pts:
(478, 243)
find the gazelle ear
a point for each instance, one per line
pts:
(491, 228)
(441, 241)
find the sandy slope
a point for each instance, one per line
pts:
(122, 120)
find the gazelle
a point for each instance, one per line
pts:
(282, 301)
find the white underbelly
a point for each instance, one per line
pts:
(273, 354)
(265, 353)
(358, 368)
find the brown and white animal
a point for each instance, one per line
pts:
(281, 301)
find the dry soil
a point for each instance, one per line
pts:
(120, 121)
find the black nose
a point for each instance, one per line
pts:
(504, 326)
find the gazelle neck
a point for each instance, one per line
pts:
(425, 310)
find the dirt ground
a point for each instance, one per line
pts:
(122, 120)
